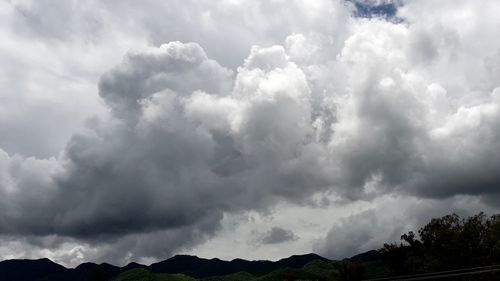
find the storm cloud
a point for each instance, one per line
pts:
(318, 102)
(278, 235)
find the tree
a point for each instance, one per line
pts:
(446, 243)
(351, 271)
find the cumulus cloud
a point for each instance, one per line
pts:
(162, 162)
(278, 235)
(324, 103)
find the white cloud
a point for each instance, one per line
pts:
(273, 103)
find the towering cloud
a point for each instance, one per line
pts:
(340, 106)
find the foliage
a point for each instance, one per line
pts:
(141, 274)
(446, 243)
(322, 268)
(239, 276)
(351, 271)
(289, 274)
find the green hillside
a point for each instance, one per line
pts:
(290, 274)
(315, 270)
(239, 276)
(141, 274)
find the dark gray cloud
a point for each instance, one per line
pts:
(180, 149)
(278, 235)
(355, 108)
(117, 176)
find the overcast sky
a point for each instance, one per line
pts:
(136, 130)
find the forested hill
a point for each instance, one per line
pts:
(46, 270)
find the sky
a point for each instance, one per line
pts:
(137, 130)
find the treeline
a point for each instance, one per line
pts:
(446, 243)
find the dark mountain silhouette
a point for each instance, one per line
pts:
(46, 270)
(199, 267)
(85, 272)
(297, 261)
(133, 265)
(370, 256)
(28, 270)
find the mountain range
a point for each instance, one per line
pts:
(182, 265)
